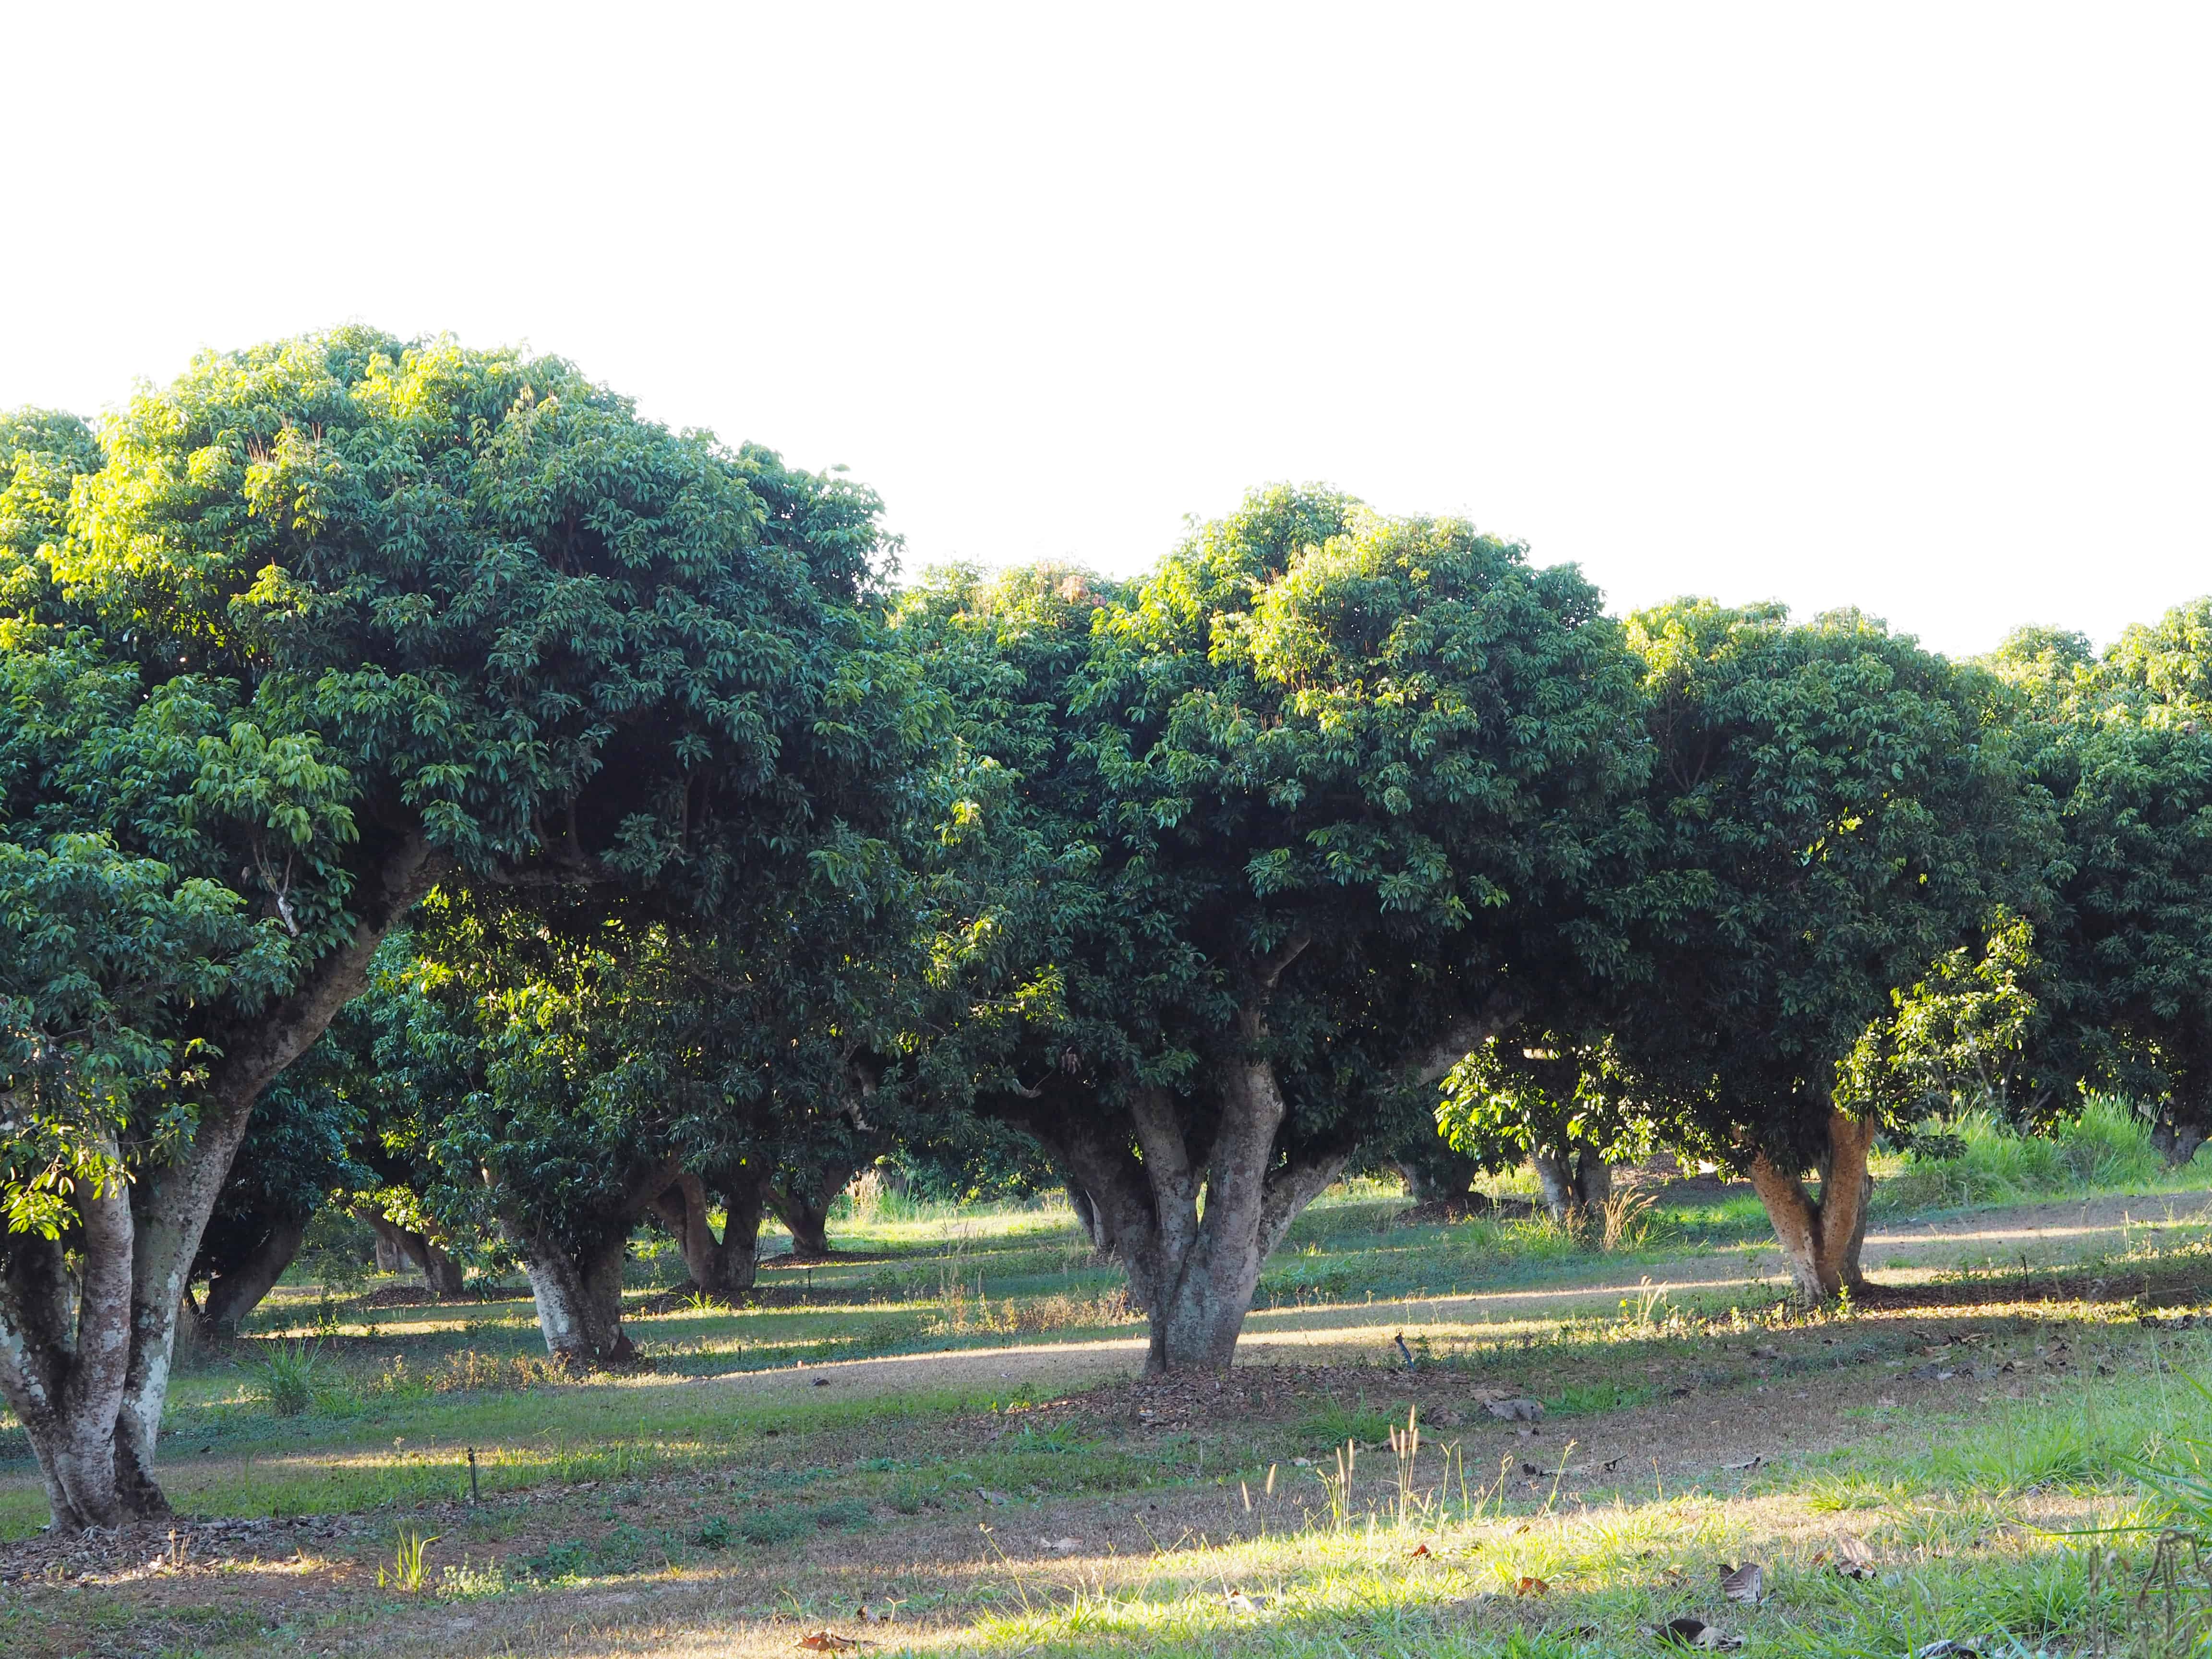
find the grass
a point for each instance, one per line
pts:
(1977, 1159)
(2036, 1505)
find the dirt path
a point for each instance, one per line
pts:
(1906, 1252)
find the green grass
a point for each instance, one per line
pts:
(1985, 1161)
(2032, 1519)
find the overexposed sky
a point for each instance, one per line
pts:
(1904, 306)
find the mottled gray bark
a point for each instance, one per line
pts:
(577, 1283)
(88, 1343)
(64, 1355)
(1193, 1227)
(1569, 1177)
(579, 1298)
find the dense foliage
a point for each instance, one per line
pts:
(516, 823)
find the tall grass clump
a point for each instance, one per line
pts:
(289, 1377)
(1976, 1157)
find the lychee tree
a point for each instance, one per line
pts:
(1276, 837)
(312, 629)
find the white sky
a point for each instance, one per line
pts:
(1904, 306)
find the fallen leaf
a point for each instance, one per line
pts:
(1529, 1586)
(1743, 1583)
(1420, 1550)
(828, 1641)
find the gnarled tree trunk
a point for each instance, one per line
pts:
(64, 1355)
(1822, 1238)
(445, 1276)
(65, 1326)
(802, 1201)
(578, 1293)
(718, 1266)
(576, 1279)
(1570, 1177)
(1193, 1227)
(1192, 1235)
(238, 1290)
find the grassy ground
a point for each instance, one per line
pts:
(942, 1425)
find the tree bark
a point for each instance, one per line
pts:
(173, 1202)
(802, 1203)
(718, 1266)
(1593, 1179)
(578, 1286)
(1193, 1236)
(233, 1295)
(444, 1277)
(64, 1355)
(1822, 1238)
(61, 1362)
(1570, 1177)
(579, 1298)
(1086, 1216)
(1555, 1182)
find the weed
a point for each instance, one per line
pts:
(468, 1581)
(287, 1378)
(779, 1525)
(410, 1565)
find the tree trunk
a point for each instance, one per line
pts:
(389, 1258)
(578, 1298)
(64, 1355)
(1593, 1180)
(1086, 1216)
(1192, 1238)
(802, 1203)
(2177, 1143)
(1822, 1237)
(444, 1277)
(1572, 1175)
(718, 1266)
(61, 1361)
(1555, 1184)
(231, 1296)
